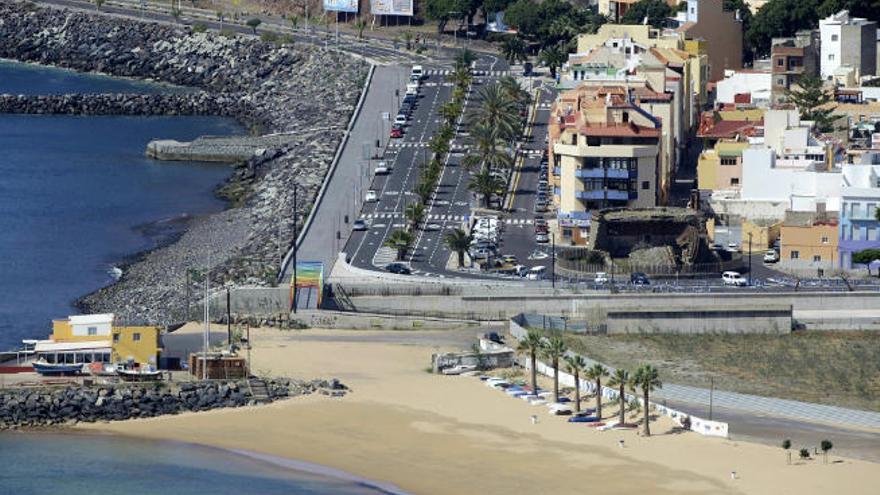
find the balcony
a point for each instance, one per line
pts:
(606, 150)
(607, 194)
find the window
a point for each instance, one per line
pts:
(824, 239)
(646, 185)
(93, 330)
(115, 338)
(734, 181)
(817, 258)
(795, 255)
(780, 62)
(625, 117)
(136, 337)
(780, 82)
(728, 160)
(833, 37)
(831, 57)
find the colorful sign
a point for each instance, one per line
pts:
(391, 7)
(341, 5)
(309, 284)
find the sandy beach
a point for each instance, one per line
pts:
(430, 434)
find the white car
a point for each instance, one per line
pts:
(371, 196)
(771, 256)
(359, 224)
(601, 278)
(382, 168)
(536, 273)
(734, 279)
(541, 237)
(400, 119)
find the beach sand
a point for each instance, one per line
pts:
(431, 434)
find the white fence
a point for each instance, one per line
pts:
(698, 425)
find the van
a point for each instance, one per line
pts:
(412, 89)
(734, 278)
(536, 273)
(417, 73)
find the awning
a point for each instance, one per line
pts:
(47, 346)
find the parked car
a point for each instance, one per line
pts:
(536, 273)
(493, 337)
(398, 268)
(542, 237)
(359, 224)
(382, 168)
(400, 119)
(417, 73)
(639, 278)
(771, 256)
(734, 278)
(409, 98)
(601, 278)
(509, 258)
(396, 132)
(371, 196)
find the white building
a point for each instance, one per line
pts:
(803, 188)
(758, 84)
(847, 42)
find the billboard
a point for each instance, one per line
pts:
(391, 7)
(341, 5)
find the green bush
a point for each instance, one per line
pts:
(199, 28)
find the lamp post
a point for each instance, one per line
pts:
(295, 244)
(750, 259)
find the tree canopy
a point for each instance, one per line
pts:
(655, 10)
(814, 103)
(551, 21)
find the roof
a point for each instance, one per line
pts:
(621, 130)
(91, 319)
(52, 346)
(727, 128)
(684, 27)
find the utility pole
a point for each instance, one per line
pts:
(750, 259)
(711, 395)
(228, 318)
(295, 245)
(207, 327)
(553, 261)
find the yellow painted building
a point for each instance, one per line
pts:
(720, 168)
(138, 344)
(805, 240)
(763, 234)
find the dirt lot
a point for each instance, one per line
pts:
(841, 368)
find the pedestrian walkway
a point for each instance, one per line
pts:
(407, 144)
(446, 72)
(384, 255)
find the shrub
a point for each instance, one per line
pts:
(805, 454)
(199, 28)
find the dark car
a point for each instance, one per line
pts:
(493, 337)
(398, 268)
(639, 278)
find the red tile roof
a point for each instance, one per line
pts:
(619, 130)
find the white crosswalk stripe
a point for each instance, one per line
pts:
(407, 144)
(446, 72)
(384, 255)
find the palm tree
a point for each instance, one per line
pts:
(648, 379)
(597, 372)
(498, 112)
(554, 349)
(621, 379)
(424, 190)
(461, 77)
(465, 58)
(438, 145)
(575, 365)
(826, 445)
(553, 57)
(415, 213)
(514, 50)
(450, 111)
(514, 90)
(532, 345)
(486, 184)
(408, 38)
(400, 240)
(490, 149)
(458, 241)
(294, 22)
(360, 25)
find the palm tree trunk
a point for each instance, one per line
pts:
(556, 380)
(534, 374)
(599, 398)
(622, 405)
(647, 417)
(461, 259)
(577, 392)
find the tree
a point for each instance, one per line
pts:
(465, 58)
(780, 18)
(826, 445)
(458, 241)
(254, 23)
(408, 39)
(294, 22)
(486, 184)
(532, 345)
(814, 103)
(554, 350)
(648, 379)
(523, 15)
(514, 49)
(360, 25)
(400, 240)
(575, 365)
(805, 454)
(655, 10)
(498, 112)
(553, 57)
(622, 380)
(450, 111)
(438, 145)
(424, 190)
(514, 91)
(415, 214)
(866, 257)
(786, 445)
(597, 372)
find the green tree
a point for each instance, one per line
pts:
(786, 445)
(438, 145)
(648, 379)
(514, 49)
(869, 9)
(655, 10)
(805, 454)
(866, 257)
(443, 11)
(524, 15)
(458, 241)
(424, 190)
(400, 240)
(461, 77)
(450, 111)
(514, 91)
(576, 365)
(553, 57)
(415, 214)
(622, 380)
(486, 184)
(597, 372)
(465, 58)
(780, 18)
(294, 22)
(814, 103)
(826, 445)
(254, 23)
(498, 112)
(554, 350)
(360, 25)
(408, 39)
(532, 345)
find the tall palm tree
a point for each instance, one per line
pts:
(486, 184)
(575, 365)
(498, 112)
(621, 379)
(553, 57)
(465, 58)
(415, 213)
(514, 50)
(648, 379)
(458, 241)
(597, 372)
(490, 149)
(554, 349)
(400, 240)
(532, 345)
(424, 190)
(450, 111)
(461, 77)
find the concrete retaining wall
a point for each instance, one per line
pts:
(503, 358)
(684, 320)
(361, 321)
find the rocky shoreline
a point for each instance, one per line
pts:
(292, 89)
(30, 408)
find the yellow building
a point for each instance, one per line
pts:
(763, 234)
(88, 338)
(641, 34)
(138, 344)
(807, 240)
(720, 168)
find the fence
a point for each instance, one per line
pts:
(698, 425)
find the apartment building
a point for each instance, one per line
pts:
(790, 60)
(808, 242)
(721, 30)
(847, 43)
(859, 200)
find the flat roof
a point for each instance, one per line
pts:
(52, 346)
(91, 319)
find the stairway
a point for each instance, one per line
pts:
(259, 390)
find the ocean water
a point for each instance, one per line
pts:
(38, 463)
(77, 195)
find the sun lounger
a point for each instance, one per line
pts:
(583, 419)
(537, 402)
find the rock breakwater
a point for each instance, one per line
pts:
(46, 407)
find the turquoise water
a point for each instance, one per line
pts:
(77, 192)
(37, 464)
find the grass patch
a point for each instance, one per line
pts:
(840, 368)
